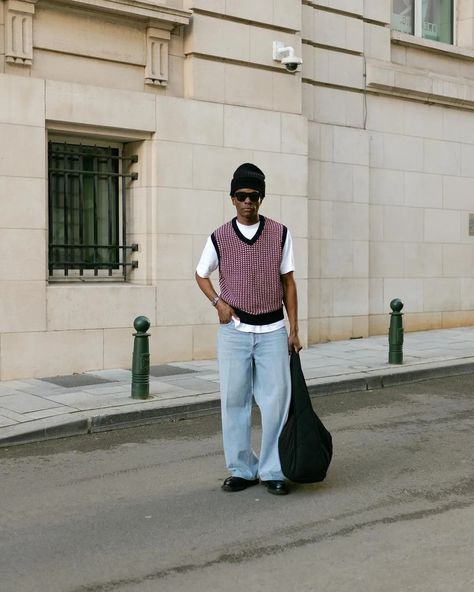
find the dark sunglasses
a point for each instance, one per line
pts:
(241, 196)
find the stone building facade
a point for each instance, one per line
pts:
(121, 122)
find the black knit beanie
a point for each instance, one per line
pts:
(249, 176)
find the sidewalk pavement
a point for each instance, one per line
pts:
(40, 409)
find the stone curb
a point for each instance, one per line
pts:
(68, 427)
(79, 424)
(128, 419)
(388, 378)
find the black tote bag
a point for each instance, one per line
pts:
(305, 445)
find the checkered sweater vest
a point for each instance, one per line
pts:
(249, 270)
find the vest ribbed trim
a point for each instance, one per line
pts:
(266, 318)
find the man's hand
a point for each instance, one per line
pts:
(294, 344)
(225, 312)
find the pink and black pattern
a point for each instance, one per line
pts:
(249, 270)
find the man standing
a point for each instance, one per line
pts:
(254, 255)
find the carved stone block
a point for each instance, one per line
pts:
(156, 69)
(19, 31)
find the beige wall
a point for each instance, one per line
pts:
(180, 197)
(368, 152)
(422, 191)
(390, 186)
(85, 82)
(335, 37)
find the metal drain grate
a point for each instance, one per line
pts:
(77, 380)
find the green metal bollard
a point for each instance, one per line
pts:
(141, 359)
(395, 333)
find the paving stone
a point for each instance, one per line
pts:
(196, 364)
(16, 417)
(104, 391)
(11, 386)
(6, 421)
(6, 390)
(24, 403)
(160, 387)
(114, 375)
(196, 385)
(52, 412)
(168, 388)
(169, 370)
(75, 400)
(109, 403)
(173, 395)
(212, 377)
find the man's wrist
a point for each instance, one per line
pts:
(215, 300)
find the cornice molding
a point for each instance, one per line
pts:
(151, 11)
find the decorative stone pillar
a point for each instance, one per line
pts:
(19, 31)
(156, 70)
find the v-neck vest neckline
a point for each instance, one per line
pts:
(244, 239)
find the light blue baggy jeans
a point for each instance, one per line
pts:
(253, 364)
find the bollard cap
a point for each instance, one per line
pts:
(141, 324)
(396, 305)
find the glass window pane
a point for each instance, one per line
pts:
(403, 12)
(84, 206)
(437, 18)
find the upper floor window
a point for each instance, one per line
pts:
(430, 19)
(87, 211)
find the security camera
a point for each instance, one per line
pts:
(286, 55)
(291, 63)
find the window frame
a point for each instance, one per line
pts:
(100, 272)
(418, 22)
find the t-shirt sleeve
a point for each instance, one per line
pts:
(287, 259)
(209, 261)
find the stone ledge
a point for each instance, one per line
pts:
(418, 83)
(156, 13)
(443, 49)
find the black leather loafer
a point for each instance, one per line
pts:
(238, 483)
(276, 487)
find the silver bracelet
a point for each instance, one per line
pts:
(215, 300)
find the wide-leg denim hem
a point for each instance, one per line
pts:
(253, 364)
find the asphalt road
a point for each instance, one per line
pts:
(141, 510)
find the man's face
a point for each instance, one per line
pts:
(247, 206)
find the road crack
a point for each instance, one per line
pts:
(258, 552)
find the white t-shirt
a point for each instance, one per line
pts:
(209, 262)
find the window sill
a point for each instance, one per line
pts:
(433, 46)
(86, 280)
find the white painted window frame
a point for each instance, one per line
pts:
(418, 20)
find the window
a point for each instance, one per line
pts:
(87, 211)
(431, 19)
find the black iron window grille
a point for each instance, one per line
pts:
(87, 212)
